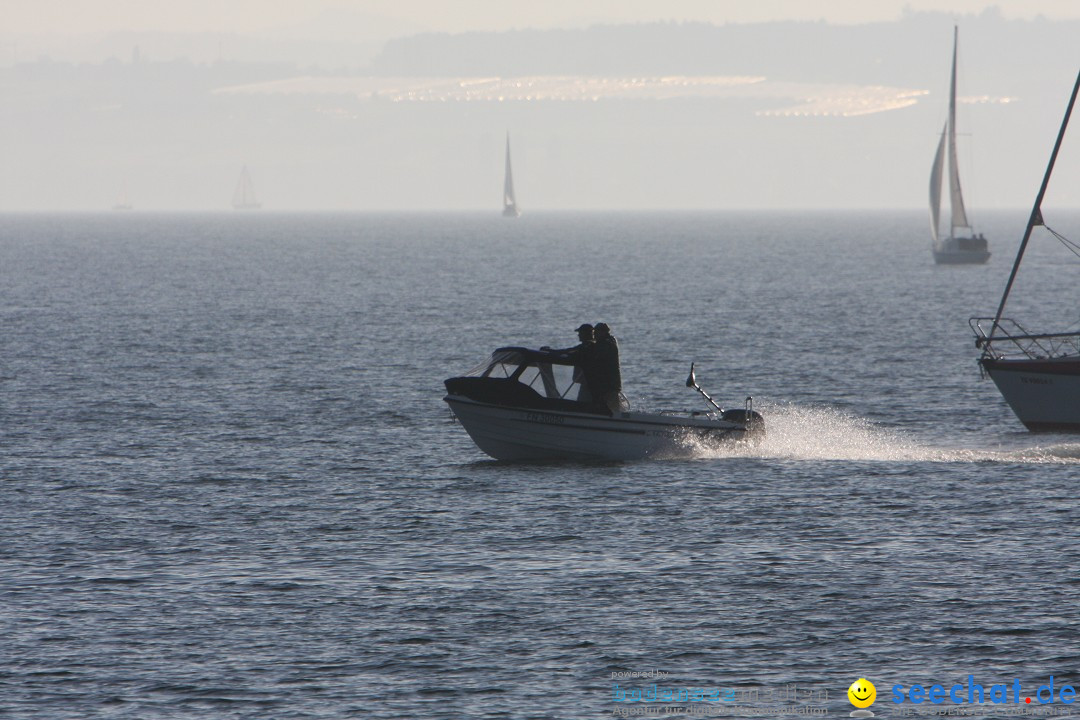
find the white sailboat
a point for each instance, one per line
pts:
(962, 244)
(510, 208)
(244, 195)
(1038, 374)
(122, 203)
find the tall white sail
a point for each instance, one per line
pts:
(959, 216)
(935, 187)
(510, 208)
(244, 195)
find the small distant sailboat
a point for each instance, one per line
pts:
(244, 195)
(962, 245)
(510, 208)
(122, 202)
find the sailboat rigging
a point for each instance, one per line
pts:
(1038, 374)
(510, 208)
(962, 245)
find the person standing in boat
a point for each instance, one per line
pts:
(584, 357)
(607, 385)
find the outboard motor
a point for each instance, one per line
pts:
(748, 418)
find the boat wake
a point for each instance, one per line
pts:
(822, 433)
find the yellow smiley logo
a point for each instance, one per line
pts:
(862, 693)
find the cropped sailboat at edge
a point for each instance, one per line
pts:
(244, 195)
(1038, 374)
(962, 247)
(510, 208)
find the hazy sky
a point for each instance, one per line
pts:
(256, 16)
(329, 114)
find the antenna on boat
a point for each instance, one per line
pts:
(691, 382)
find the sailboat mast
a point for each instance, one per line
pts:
(956, 198)
(952, 97)
(1036, 210)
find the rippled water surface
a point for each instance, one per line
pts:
(231, 488)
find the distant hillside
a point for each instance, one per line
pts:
(912, 51)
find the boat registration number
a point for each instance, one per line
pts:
(545, 418)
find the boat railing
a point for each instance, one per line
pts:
(1008, 338)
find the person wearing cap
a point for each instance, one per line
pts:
(607, 383)
(583, 355)
(586, 338)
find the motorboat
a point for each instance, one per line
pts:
(1038, 373)
(525, 404)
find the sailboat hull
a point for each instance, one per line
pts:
(1044, 393)
(961, 257)
(961, 251)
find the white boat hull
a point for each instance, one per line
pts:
(507, 433)
(1044, 394)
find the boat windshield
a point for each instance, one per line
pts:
(549, 373)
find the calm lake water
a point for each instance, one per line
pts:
(231, 488)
